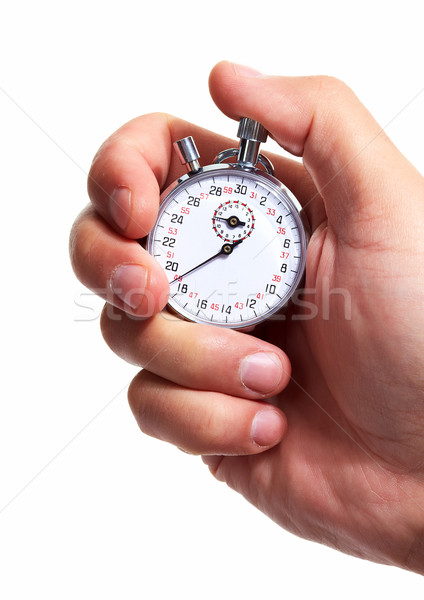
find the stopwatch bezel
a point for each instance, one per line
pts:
(280, 190)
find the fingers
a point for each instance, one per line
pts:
(117, 269)
(204, 422)
(199, 356)
(124, 185)
(351, 160)
(135, 163)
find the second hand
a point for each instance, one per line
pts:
(225, 250)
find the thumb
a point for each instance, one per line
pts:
(355, 167)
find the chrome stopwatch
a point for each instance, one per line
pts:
(229, 236)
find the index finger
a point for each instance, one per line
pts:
(135, 163)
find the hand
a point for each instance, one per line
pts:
(334, 451)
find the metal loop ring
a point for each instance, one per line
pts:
(266, 163)
(226, 154)
(263, 160)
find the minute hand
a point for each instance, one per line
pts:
(226, 250)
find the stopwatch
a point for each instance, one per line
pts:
(229, 236)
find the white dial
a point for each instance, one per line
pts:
(232, 244)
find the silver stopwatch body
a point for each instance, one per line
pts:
(229, 236)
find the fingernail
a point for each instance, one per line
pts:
(267, 428)
(245, 71)
(120, 206)
(129, 283)
(261, 372)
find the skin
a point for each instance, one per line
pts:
(338, 455)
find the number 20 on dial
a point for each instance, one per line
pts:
(229, 236)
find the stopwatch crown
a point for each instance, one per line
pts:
(251, 130)
(188, 153)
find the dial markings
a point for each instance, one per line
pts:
(255, 278)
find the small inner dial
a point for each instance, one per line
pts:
(233, 220)
(222, 274)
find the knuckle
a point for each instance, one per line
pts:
(107, 322)
(332, 97)
(137, 397)
(329, 86)
(121, 333)
(81, 243)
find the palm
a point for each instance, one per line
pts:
(329, 478)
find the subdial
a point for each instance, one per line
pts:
(233, 221)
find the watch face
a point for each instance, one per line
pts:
(232, 244)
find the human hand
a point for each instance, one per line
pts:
(335, 454)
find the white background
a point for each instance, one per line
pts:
(90, 508)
